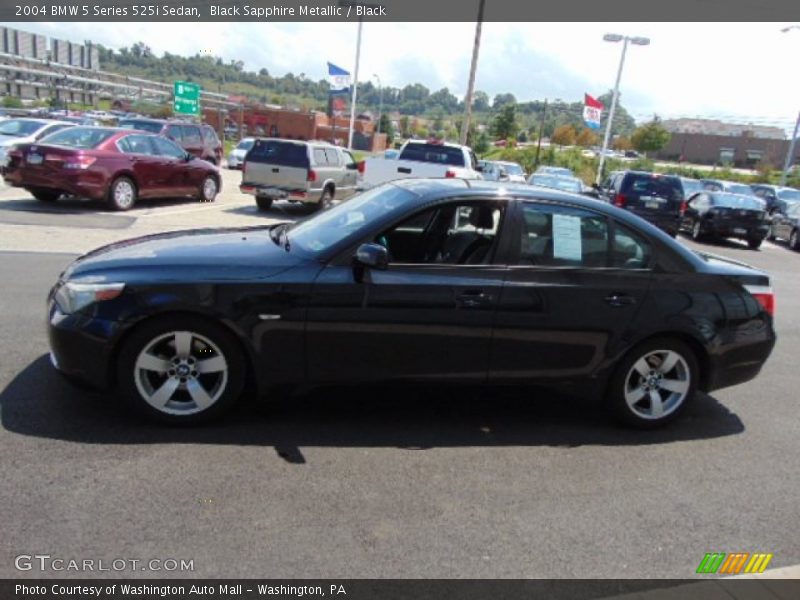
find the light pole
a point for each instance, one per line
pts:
(615, 37)
(476, 46)
(354, 96)
(380, 102)
(787, 164)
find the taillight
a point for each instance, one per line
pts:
(619, 200)
(312, 175)
(765, 297)
(244, 168)
(450, 174)
(79, 162)
(683, 206)
(362, 166)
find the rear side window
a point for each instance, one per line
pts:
(319, 157)
(433, 153)
(649, 185)
(275, 152)
(136, 144)
(332, 156)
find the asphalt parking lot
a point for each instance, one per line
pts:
(378, 482)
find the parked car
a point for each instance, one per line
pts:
(500, 170)
(236, 157)
(559, 171)
(21, 131)
(786, 226)
(654, 197)
(566, 184)
(722, 214)
(104, 163)
(200, 140)
(421, 159)
(690, 187)
(311, 172)
(777, 198)
(418, 280)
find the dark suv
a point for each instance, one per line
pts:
(200, 140)
(654, 197)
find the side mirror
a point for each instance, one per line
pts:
(352, 166)
(374, 256)
(188, 156)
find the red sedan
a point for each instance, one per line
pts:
(115, 165)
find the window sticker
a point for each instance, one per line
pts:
(567, 237)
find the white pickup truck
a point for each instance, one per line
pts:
(419, 158)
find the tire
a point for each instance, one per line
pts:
(325, 200)
(697, 232)
(639, 375)
(771, 234)
(46, 195)
(209, 189)
(794, 241)
(122, 194)
(263, 202)
(754, 243)
(170, 387)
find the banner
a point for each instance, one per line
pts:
(592, 110)
(338, 77)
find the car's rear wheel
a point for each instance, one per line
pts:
(209, 190)
(654, 383)
(263, 202)
(754, 243)
(697, 231)
(181, 370)
(794, 240)
(46, 195)
(122, 194)
(325, 201)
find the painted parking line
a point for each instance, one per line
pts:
(154, 212)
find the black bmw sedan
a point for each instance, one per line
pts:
(722, 214)
(415, 281)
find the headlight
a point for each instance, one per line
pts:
(73, 296)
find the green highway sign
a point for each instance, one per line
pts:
(187, 98)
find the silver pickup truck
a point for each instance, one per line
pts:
(311, 172)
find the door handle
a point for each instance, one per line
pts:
(276, 170)
(620, 300)
(473, 299)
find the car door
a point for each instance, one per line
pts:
(573, 293)
(349, 175)
(177, 175)
(147, 167)
(426, 317)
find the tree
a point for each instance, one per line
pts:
(587, 138)
(404, 131)
(564, 135)
(505, 125)
(480, 101)
(12, 102)
(387, 128)
(501, 100)
(650, 137)
(482, 144)
(621, 143)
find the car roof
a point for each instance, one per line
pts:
(722, 194)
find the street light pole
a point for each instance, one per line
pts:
(613, 37)
(473, 67)
(380, 102)
(787, 165)
(355, 87)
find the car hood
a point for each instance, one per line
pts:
(192, 256)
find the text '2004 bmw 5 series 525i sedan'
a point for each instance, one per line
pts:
(415, 281)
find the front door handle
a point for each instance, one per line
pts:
(620, 300)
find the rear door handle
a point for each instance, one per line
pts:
(404, 170)
(620, 300)
(473, 299)
(276, 170)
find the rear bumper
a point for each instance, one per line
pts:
(746, 231)
(740, 363)
(81, 184)
(279, 193)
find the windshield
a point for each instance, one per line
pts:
(738, 188)
(346, 220)
(512, 168)
(559, 183)
(20, 127)
(245, 145)
(737, 201)
(152, 127)
(78, 137)
(563, 171)
(791, 195)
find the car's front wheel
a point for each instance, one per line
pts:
(654, 383)
(181, 370)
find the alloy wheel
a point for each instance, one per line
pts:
(181, 373)
(209, 189)
(124, 194)
(657, 384)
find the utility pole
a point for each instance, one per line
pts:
(355, 86)
(473, 67)
(541, 133)
(787, 165)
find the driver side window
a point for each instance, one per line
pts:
(464, 234)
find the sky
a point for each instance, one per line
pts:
(739, 72)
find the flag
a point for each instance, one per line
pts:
(592, 109)
(339, 78)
